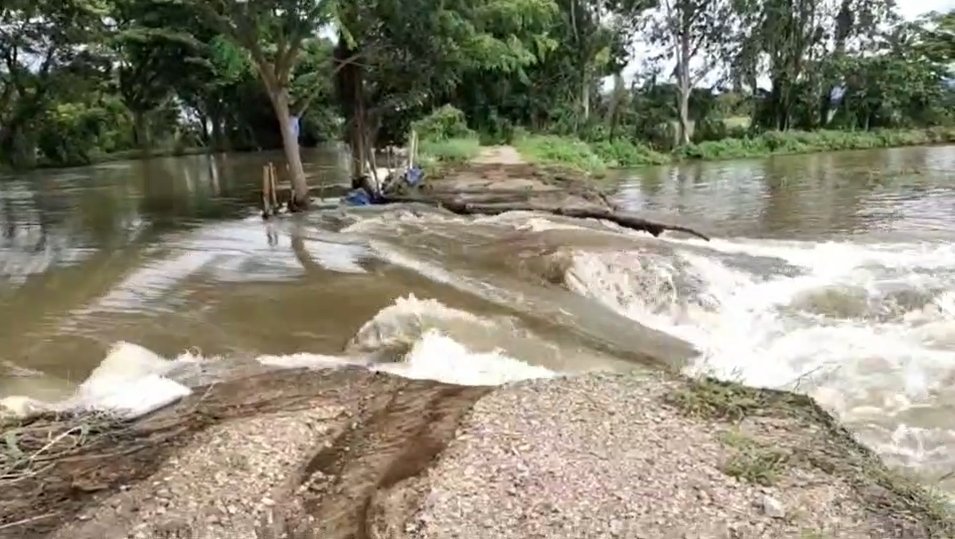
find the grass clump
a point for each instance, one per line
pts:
(623, 153)
(807, 436)
(557, 150)
(709, 398)
(454, 150)
(752, 461)
(593, 157)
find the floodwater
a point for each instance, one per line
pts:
(832, 274)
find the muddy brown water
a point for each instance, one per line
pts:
(829, 266)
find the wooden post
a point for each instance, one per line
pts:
(274, 188)
(266, 197)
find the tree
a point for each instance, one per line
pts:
(40, 42)
(693, 32)
(152, 48)
(273, 32)
(382, 44)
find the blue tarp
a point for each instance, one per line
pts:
(413, 176)
(361, 197)
(357, 197)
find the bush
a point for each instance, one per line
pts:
(455, 150)
(624, 153)
(566, 151)
(443, 123)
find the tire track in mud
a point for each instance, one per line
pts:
(363, 482)
(368, 483)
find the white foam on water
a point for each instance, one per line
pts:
(434, 356)
(438, 357)
(130, 382)
(406, 320)
(868, 330)
(133, 381)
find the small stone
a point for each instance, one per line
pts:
(268, 502)
(772, 507)
(231, 509)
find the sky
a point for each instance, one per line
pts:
(913, 8)
(909, 9)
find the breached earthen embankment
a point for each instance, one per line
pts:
(351, 454)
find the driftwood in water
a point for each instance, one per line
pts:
(496, 208)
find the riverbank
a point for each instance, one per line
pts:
(348, 453)
(598, 157)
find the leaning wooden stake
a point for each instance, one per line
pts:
(273, 189)
(266, 196)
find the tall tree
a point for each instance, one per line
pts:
(273, 32)
(382, 44)
(153, 44)
(693, 32)
(40, 40)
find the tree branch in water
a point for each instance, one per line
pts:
(627, 221)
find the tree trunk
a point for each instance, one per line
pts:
(280, 102)
(684, 115)
(349, 83)
(585, 97)
(683, 87)
(18, 147)
(141, 131)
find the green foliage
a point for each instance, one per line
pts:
(82, 78)
(623, 153)
(73, 133)
(557, 150)
(793, 142)
(443, 123)
(751, 461)
(448, 150)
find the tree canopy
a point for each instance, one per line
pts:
(80, 79)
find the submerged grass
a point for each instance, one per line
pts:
(908, 507)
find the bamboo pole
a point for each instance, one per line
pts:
(274, 187)
(266, 198)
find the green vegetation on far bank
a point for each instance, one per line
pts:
(796, 142)
(596, 157)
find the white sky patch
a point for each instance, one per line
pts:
(909, 9)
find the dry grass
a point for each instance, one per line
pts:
(34, 445)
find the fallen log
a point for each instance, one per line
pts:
(620, 218)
